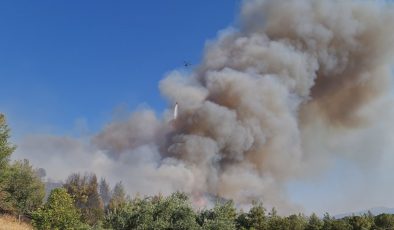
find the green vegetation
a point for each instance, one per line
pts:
(222, 216)
(176, 212)
(21, 189)
(6, 148)
(25, 189)
(84, 203)
(172, 212)
(84, 191)
(58, 213)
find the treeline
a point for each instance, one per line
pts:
(83, 202)
(176, 212)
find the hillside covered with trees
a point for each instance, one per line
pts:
(84, 202)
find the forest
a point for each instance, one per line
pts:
(84, 202)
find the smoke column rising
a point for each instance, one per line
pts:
(272, 100)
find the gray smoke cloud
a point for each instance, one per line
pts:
(277, 98)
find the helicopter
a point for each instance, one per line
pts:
(186, 64)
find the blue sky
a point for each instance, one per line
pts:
(68, 62)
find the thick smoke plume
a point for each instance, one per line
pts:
(272, 100)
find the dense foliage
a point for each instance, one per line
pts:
(25, 189)
(176, 212)
(6, 148)
(21, 189)
(84, 191)
(172, 212)
(58, 213)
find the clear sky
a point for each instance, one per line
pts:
(67, 62)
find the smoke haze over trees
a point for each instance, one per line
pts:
(292, 89)
(79, 205)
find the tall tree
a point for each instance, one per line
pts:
(327, 222)
(105, 192)
(257, 217)
(95, 206)
(276, 222)
(6, 148)
(84, 190)
(118, 196)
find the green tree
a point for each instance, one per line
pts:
(360, 222)
(242, 222)
(222, 216)
(297, 222)
(95, 207)
(58, 213)
(142, 215)
(327, 222)
(120, 218)
(118, 197)
(277, 222)
(5, 202)
(371, 219)
(334, 224)
(24, 188)
(341, 224)
(84, 191)
(105, 192)
(257, 217)
(174, 212)
(384, 221)
(6, 148)
(314, 223)
(254, 219)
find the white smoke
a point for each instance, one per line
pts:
(276, 99)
